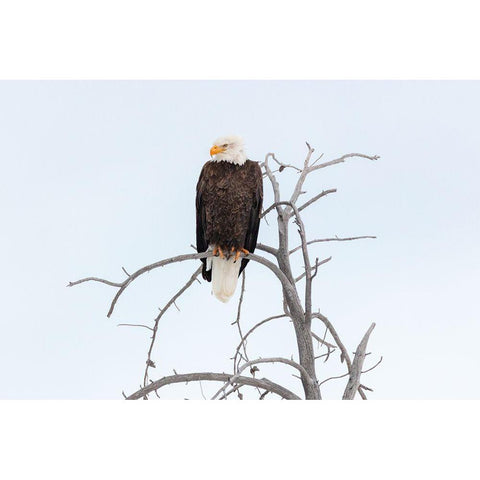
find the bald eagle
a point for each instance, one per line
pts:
(228, 204)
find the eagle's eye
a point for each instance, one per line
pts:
(225, 145)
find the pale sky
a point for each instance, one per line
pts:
(97, 175)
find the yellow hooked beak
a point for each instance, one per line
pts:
(216, 149)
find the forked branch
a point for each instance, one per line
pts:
(356, 368)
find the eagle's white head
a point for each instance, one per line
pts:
(228, 149)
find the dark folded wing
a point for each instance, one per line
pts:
(254, 220)
(202, 243)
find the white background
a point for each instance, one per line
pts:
(100, 175)
(58, 40)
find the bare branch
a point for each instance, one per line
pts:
(317, 159)
(134, 325)
(296, 365)
(258, 325)
(269, 209)
(273, 181)
(306, 262)
(363, 387)
(360, 387)
(237, 322)
(284, 165)
(341, 160)
(315, 198)
(356, 368)
(301, 179)
(305, 205)
(262, 396)
(334, 239)
(323, 342)
(317, 264)
(370, 369)
(160, 315)
(361, 392)
(266, 248)
(234, 389)
(95, 279)
(181, 258)
(123, 285)
(332, 378)
(336, 337)
(324, 355)
(306, 258)
(216, 377)
(244, 338)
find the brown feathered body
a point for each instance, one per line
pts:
(229, 203)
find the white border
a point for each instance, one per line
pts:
(115, 439)
(214, 39)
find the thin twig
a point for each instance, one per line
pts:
(273, 181)
(95, 279)
(342, 159)
(315, 198)
(244, 338)
(322, 341)
(237, 322)
(315, 267)
(134, 325)
(346, 374)
(371, 368)
(284, 165)
(160, 315)
(334, 239)
(233, 379)
(345, 356)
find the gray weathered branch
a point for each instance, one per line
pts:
(318, 263)
(171, 302)
(216, 377)
(334, 239)
(341, 160)
(296, 365)
(356, 368)
(315, 198)
(181, 258)
(244, 338)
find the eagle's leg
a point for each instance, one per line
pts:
(217, 251)
(239, 251)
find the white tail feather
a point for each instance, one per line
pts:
(224, 277)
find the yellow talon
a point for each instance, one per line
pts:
(239, 251)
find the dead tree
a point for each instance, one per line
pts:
(297, 303)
